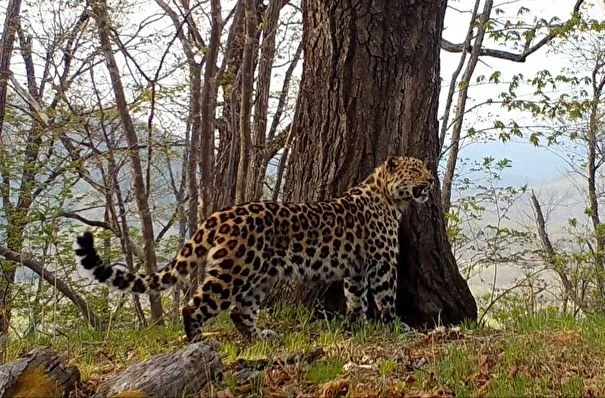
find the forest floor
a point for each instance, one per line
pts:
(541, 355)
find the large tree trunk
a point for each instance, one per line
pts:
(370, 88)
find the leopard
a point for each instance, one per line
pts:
(243, 251)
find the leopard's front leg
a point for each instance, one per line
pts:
(355, 288)
(383, 286)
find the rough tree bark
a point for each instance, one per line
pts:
(258, 166)
(177, 374)
(370, 88)
(39, 373)
(247, 81)
(195, 88)
(11, 22)
(208, 100)
(228, 147)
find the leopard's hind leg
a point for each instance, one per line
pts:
(213, 297)
(248, 296)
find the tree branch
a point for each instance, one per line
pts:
(92, 223)
(528, 48)
(136, 249)
(50, 277)
(549, 252)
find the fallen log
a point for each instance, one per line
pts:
(176, 374)
(39, 373)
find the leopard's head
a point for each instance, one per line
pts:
(406, 179)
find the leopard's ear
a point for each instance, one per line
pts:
(392, 163)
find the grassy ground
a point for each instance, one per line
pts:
(542, 355)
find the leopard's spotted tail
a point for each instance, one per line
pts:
(122, 279)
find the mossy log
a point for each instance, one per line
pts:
(177, 374)
(39, 373)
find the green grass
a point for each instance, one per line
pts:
(386, 366)
(259, 349)
(95, 351)
(573, 387)
(230, 350)
(297, 343)
(516, 386)
(323, 371)
(257, 383)
(544, 354)
(455, 368)
(329, 338)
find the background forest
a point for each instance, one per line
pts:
(137, 118)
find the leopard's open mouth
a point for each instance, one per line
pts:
(420, 192)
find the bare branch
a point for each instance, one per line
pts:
(50, 277)
(528, 47)
(549, 252)
(31, 101)
(283, 96)
(84, 220)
